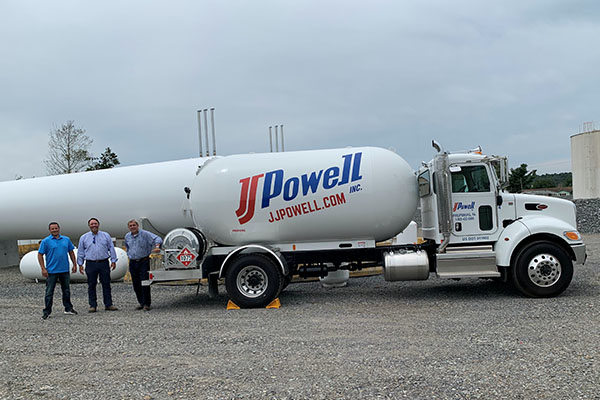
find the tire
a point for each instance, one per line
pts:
(253, 280)
(542, 269)
(286, 281)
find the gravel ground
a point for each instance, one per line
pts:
(436, 339)
(588, 215)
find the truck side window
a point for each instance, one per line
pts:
(424, 184)
(473, 179)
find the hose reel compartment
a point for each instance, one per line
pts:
(184, 248)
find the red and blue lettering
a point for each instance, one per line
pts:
(275, 185)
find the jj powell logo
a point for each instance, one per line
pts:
(274, 185)
(460, 206)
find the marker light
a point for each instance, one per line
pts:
(572, 235)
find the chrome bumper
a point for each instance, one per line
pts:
(580, 254)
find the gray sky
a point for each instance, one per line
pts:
(516, 77)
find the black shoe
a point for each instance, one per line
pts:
(45, 316)
(71, 312)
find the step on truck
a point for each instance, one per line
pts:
(261, 219)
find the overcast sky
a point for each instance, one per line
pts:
(516, 77)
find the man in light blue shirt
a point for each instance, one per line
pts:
(55, 267)
(96, 248)
(140, 244)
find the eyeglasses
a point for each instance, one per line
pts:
(94, 240)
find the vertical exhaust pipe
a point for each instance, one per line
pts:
(212, 121)
(206, 131)
(200, 131)
(276, 139)
(282, 149)
(271, 139)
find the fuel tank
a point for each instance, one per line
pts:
(304, 196)
(114, 196)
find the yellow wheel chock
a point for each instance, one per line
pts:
(274, 304)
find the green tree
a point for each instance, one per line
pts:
(68, 150)
(560, 179)
(520, 179)
(107, 160)
(543, 182)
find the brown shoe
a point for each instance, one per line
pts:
(139, 307)
(92, 309)
(147, 308)
(111, 308)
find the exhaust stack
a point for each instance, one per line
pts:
(276, 138)
(212, 123)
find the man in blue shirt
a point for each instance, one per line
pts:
(56, 267)
(140, 244)
(96, 248)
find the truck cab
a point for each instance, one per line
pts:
(480, 230)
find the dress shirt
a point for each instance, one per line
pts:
(95, 247)
(140, 245)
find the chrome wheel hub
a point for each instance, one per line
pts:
(544, 270)
(252, 281)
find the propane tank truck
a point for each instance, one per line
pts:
(260, 219)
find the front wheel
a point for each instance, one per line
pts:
(542, 270)
(253, 280)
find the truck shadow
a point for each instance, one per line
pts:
(303, 294)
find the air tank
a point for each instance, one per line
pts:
(306, 196)
(30, 268)
(114, 196)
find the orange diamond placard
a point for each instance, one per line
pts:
(186, 257)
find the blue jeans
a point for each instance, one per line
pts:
(139, 272)
(64, 278)
(93, 270)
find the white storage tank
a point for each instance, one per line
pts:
(114, 196)
(585, 163)
(30, 268)
(305, 196)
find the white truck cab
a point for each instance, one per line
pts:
(481, 230)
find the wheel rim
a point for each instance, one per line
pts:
(544, 270)
(252, 281)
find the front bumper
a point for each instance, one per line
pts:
(580, 254)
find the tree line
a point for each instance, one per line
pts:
(521, 178)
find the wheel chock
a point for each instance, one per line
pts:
(232, 306)
(274, 304)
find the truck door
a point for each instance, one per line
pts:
(474, 211)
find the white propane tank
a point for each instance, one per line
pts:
(305, 196)
(114, 196)
(30, 268)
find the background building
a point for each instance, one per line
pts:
(585, 162)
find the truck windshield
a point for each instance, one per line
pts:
(470, 179)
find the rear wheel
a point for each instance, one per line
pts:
(253, 280)
(542, 270)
